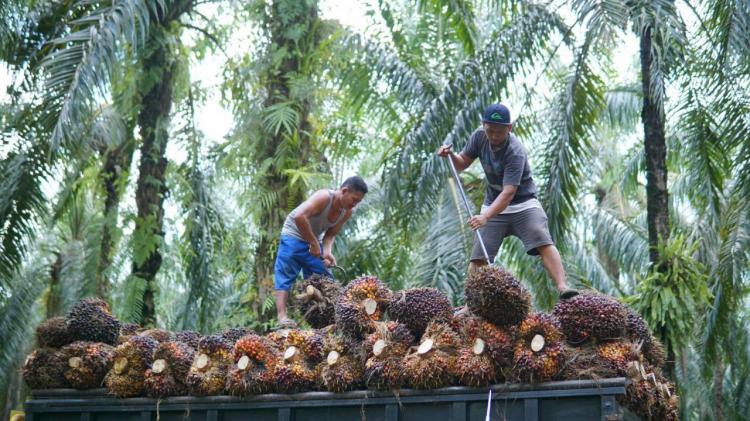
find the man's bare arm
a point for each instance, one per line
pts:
(461, 160)
(501, 201)
(330, 236)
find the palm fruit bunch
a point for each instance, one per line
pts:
(361, 303)
(129, 329)
(254, 358)
(637, 330)
(384, 351)
(496, 295)
(45, 369)
(207, 375)
(309, 343)
(130, 362)
(159, 335)
(315, 298)
(232, 334)
(603, 360)
(417, 307)
(170, 368)
(302, 350)
(277, 337)
(342, 369)
(538, 353)
(498, 342)
(433, 364)
(53, 333)
(618, 355)
(650, 397)
(91, 320)
(592, 316)
(87, 363)
(188, 337)
(126, 331)
(474, 367)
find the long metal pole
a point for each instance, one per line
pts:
(466, 204)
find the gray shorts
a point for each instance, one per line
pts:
(529, 225)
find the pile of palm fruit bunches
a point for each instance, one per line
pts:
(364, 336)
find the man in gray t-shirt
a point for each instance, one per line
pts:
(510, 204)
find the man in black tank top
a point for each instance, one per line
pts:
(307, 238)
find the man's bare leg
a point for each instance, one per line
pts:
(553, 264)
(281, 297)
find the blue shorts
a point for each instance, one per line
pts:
(294, 255)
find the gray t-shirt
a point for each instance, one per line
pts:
(508, 165)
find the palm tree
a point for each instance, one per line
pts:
(278, 130)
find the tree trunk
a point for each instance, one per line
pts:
(153, 120)
(54, 304)
(116, 166)
(719, 389)
(295, 13)
(657, 200)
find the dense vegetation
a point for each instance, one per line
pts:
(109, 188)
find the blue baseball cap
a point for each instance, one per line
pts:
(496, 114)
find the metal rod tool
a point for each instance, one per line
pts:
(466, 202)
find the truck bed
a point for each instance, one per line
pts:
(579, 400)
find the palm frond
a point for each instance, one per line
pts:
(204, 232)
(659, 26)
(460, 17)
(18, 316)
(728, 273)
(584, 267)
(624, 105)
(574, 116)
(79, 69)
(729, 22)
(21, 202)
(705, 164)
(624, 241)
(444, 252)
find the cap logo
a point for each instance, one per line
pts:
(496, 116)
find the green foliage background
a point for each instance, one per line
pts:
(314, 100)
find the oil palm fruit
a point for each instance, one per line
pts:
(315, 298)
(91, 320)
(342, 369)
(44, 368)
(53, 333)
(362, 302)
(433, 363)
(384, 351)
(496, 295)
(131, 360)
(253, 360)
(637, 330)
(539, 352)
(87, 363)
(169, 370)
(207, 375)
(188, 337)
(591, 316)
(417, 307)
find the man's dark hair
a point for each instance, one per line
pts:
(355, 183)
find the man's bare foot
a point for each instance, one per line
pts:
(286, 323)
